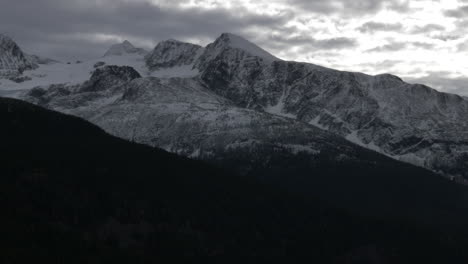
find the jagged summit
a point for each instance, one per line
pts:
(124, 48)
(228, 49)
(237, 42)
(12, 58)
(5, 38)
(171, 53)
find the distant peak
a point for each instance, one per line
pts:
(3, 36)
(7, 40)
(230, 35)
(238, 42)
(125, 43)
(126, 47)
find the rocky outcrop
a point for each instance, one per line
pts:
(109, 76)
(172, 53)
(12, 59)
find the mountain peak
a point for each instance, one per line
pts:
(4, 38)
(12, 58)
(238, 42)
(7, 43)
(127, 43)
(124, 48)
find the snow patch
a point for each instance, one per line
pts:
(296, 149)
(353, 137)
(315, 122)
(71, 73)
(412, 159)
(278, 109)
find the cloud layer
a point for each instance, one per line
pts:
(420, 40)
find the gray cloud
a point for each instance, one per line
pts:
(462, 47)
(335, 43)
(73, 24)
(441, 81)
(309, 43)
(427, 28)
(460, 12)
(371, 27)
(351, 8)
(422, 45)
(446, 37)
(390, 47)
(381, 66)
(397, 46)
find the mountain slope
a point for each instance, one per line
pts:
(412, 123)
(74, 193)
(182, 117)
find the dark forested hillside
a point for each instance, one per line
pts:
(69, 192)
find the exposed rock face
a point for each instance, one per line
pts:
(237, 46)
(172, 53)
(109, 76)
(12, 59)
(230, 65)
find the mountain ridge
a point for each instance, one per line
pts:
(409, 122)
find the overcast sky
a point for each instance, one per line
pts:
(420, 40)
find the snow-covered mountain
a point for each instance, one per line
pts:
(412, 123)
(180, 116)
(240, 52)
(50, 72)
(124, 48)
(233, 93)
